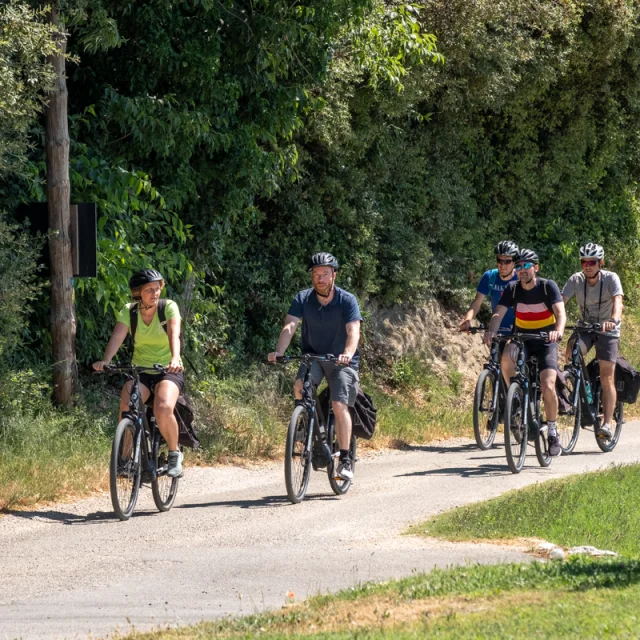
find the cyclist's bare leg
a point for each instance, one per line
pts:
(126, 393)
(508, 362)
(343, 424)
(607, 379)
(548, 385)
(166, 395)
(297, 389)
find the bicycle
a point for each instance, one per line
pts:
(307, 426)
(585, 398)
(488, 399)
(139, 453)
(522, 423)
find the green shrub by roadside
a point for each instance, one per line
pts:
(600, 509)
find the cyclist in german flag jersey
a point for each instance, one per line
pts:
(538, 308)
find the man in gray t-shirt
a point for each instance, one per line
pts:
(599, 296)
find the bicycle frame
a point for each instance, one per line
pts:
(142, 416)
(579, 368)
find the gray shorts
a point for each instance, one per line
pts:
(606, 346)
(343, 381)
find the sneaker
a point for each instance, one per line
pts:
(604, 432)
(554, 446)
(345, 470)
(175, 464)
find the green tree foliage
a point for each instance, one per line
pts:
(24, 76)
(225, 141)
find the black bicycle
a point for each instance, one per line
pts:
(139, 454)
(522, 420)
(489, 396)
(308, 434)
(585, 398)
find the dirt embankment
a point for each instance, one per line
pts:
(429, 332)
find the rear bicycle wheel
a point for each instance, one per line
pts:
(297, 458)
(569, 422)
(618, 417)
(124, 472)
(515, 428)
(485, 419)
(339, 485)
(163, 487)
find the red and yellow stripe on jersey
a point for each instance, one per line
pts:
(533, 317)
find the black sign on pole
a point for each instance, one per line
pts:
(84, 230)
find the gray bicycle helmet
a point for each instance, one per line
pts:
(323, 259)
(527, 255)
(592, 250)
(506, 248)
(144, 276)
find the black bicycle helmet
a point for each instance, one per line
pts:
(592, 250)
(323, 259)
(506, 248)
(527, 255)
(144, 276)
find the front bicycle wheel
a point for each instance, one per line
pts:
(569, 419)
(618, 417)
(339, 485)
(542, 448)
(485, 418)
(124, 472)
(164, 488)
(515, 428)
(297, 457)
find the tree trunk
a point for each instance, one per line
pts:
(63, 321)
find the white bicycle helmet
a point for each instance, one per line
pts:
(592, 250)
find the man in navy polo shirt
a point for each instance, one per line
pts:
(330, 324)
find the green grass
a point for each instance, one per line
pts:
(46, 453)
(580, 598)
(600, 509)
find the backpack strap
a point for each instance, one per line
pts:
(133, 320)
(162, 314)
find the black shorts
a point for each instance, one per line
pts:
(546, 352)
(150, 380)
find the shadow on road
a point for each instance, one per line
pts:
(429, 448)
(465, 472)
(258, 503)
(62, 517)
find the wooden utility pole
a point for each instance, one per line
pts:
(63, 320)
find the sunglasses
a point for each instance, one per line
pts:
(524, 265)
(508, 261)
(589, 263)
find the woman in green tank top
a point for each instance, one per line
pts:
(152, 344)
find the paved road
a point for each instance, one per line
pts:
(233, 544)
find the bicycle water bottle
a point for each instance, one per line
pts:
(587, 387)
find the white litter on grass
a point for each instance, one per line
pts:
(591, 551)
(557, 553)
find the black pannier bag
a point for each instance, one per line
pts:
(627, 381)
(363, 413)
(562, 391)
(363, 416)
(187, 436)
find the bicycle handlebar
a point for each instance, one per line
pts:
(308, 356)
(586, 328)
(128, 368)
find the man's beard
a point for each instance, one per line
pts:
(327, 289)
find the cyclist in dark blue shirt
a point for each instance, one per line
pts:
(493, 284)
(330, 324)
